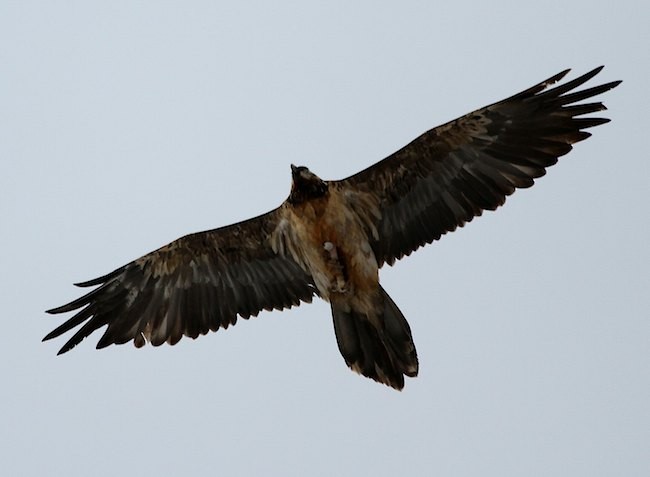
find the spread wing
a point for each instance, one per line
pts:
(196, 284)
(450, 174)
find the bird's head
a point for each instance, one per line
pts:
(305, 185)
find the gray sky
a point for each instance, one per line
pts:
(124, 126)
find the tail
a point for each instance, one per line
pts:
(386, 353)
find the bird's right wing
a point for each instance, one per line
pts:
(196, 284)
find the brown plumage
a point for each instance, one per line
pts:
(329, 238)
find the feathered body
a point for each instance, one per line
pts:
(330, 238)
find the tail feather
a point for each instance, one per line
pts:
(385, 354)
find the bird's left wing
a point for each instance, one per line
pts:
(452, 173)
(193, 285)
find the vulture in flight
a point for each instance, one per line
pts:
(330, 238)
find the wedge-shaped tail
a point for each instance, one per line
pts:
(381, 347)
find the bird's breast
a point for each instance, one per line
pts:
(330, 240)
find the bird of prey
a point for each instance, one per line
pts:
(330, 238)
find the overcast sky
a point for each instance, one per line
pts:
(124, 125)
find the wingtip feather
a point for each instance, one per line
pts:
(558, 77)
(47, 337)
(54, 333)
(67, 347)
(102, 279)
(73, 305)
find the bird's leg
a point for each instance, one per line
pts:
(339, 282)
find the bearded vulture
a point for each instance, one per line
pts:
(330, 238)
